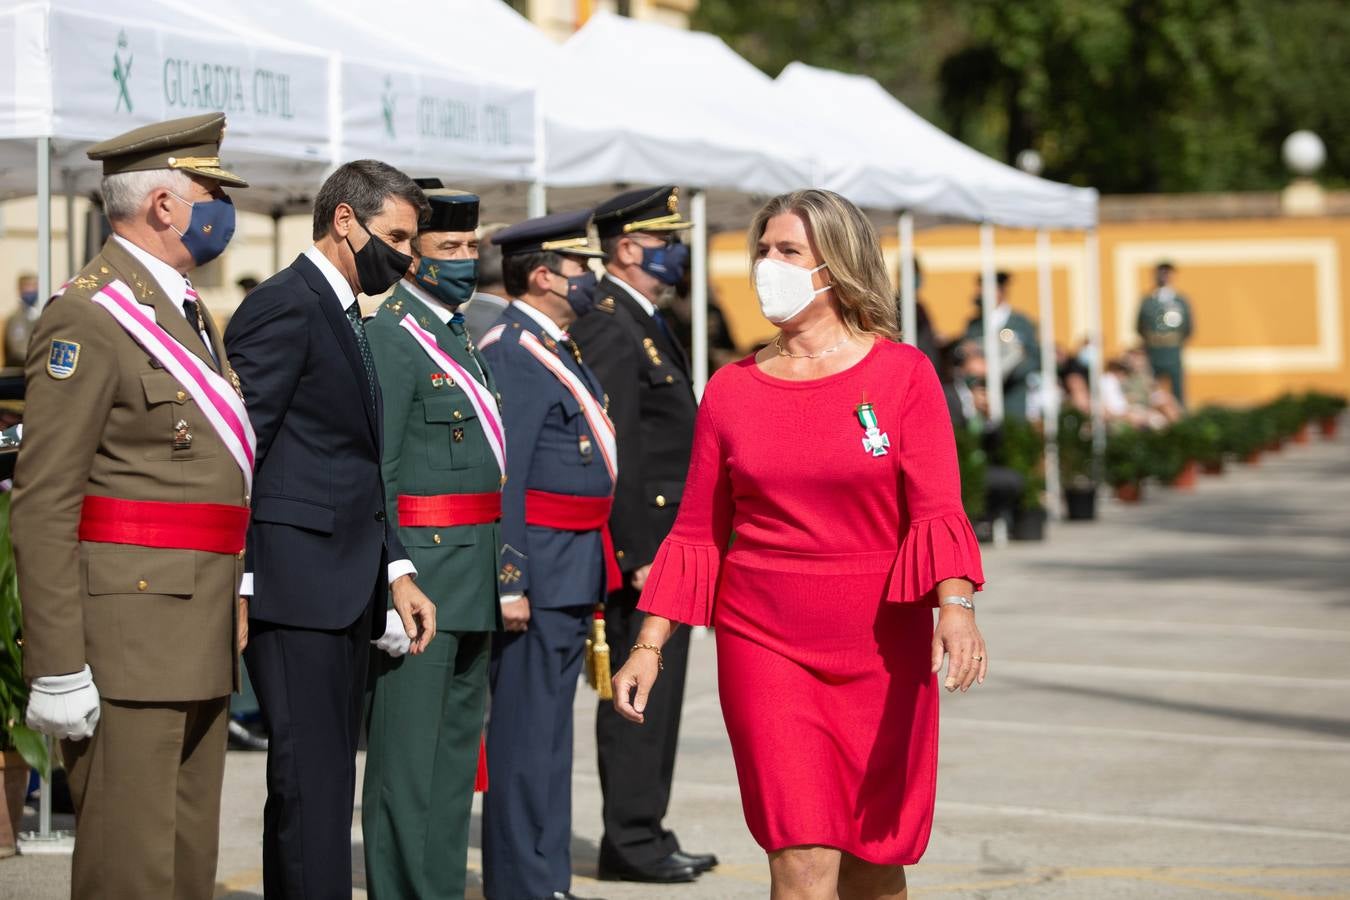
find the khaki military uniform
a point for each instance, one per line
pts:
(156, 626)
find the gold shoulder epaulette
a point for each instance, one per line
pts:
(606, 305)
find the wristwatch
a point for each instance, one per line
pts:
(959, 601)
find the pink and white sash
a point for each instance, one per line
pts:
(220, 404)
(479, 397)
(601, 426)
(493, 335)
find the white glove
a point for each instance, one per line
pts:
(64, 706)
(395, 641)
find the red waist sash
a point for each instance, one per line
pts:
(568, 512)
(448, 510)
(211, 527)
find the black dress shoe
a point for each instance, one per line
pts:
(568, 895)
(664, 871)
(699, 862)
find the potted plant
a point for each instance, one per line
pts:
(1021, 447)
(1127, 462)
(1324, 409)
(20, 746)
(1208, 439)
(1075, 465)
(972, 462)
(1178, 449)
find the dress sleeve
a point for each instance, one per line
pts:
(682, 583)
(939, 543)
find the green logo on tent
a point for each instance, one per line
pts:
(388, 100)
(121, 73)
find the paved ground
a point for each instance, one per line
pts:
(1168, 716)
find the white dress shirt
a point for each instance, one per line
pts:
(647, 305)
(550, 327)
(438, 309)
(398, 567)
(173, 283)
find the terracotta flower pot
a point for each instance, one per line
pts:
(1328, 427)
(1212, 468)
(1130, 493)
(13, 787)
(1253, 458)
(1187, 477)
(1303, 435)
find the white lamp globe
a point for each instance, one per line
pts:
(1030, 161)
(1304, 152)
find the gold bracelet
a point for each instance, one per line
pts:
(660, 660)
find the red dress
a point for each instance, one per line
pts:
(823, 603)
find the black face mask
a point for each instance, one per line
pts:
(378, 265)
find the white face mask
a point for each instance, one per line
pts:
(784, 290)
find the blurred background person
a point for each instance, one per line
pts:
(1019, 348)
(1165, 324)
(489, 298)
(22, 320)
(925, 337)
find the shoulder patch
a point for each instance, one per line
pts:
(62, 358)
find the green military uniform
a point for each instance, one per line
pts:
(1025, 375)
(427, 711)
(151, 615)
(1165, 325)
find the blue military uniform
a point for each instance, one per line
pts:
(551, 451)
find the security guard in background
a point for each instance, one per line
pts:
(130, 511)
(1165, 324)
(1019, 348)
(554, 568)
(442, 473)
(644, 370)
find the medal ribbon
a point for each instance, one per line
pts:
(601, 426)
(223, 408)
(483, 402)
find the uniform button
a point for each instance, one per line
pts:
(457, 415)
(142, 585)
(181, 395)
(660, 499)
(618, 554)
(379, 516)
(670, 379)
(436, 538)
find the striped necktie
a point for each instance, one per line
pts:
(363, 343)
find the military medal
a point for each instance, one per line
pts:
(585, 448)
(437, 379)
(1172, 318)
(650, 346)
(182, 436)
(457, 435)
(875, 441)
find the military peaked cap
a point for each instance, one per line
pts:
(567, 232)
(185, 145)
(646, 209)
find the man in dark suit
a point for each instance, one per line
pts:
(553, 568)
(320, 546)
(644, 370)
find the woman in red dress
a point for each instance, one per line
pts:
(830, 456)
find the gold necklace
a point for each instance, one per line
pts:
(778, 345)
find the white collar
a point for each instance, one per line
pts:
(1002, 313)
(438, 309)
(550, 327)
(335, 279)
(647, 305)
(171, 281)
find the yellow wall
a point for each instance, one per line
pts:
(1270, 297)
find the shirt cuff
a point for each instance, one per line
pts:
(400, 567)
(246, 585)
(511, 598)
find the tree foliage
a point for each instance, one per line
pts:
(1125, 95)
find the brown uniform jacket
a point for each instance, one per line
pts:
(153, 624)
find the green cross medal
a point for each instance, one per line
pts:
(875, 441)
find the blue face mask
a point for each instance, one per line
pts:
(666, 263)
(29, 298)
(209, 230)
(580, 292)
(451, 281)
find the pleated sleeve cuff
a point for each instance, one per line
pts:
(682, 583)
(932, 551)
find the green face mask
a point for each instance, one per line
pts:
(451, 281)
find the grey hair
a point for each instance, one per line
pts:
(124, 193)
(364, 185)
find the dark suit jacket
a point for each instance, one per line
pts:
(544, 430)
(319, 540)
(651, 402)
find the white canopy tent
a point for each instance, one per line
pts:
(935, 173)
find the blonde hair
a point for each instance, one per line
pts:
(849, 246)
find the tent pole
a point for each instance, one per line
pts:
(909, 315)
(1097, 357)
(44, 273)
(536, 202)
(276, 239)
(698, 288)
(1049, 375)
(68, 189)
(993, 363)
